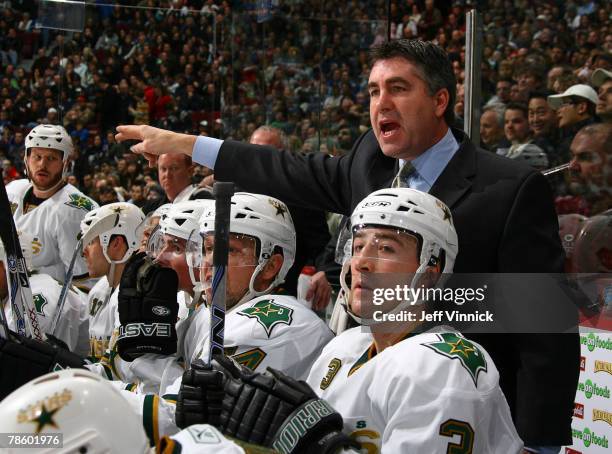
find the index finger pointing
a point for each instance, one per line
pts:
(129, 132)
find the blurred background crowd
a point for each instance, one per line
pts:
(224, 68)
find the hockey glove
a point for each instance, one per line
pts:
(148, 309)
(278, 412)
(23, 359)
(201, 395)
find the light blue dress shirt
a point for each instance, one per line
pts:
(430, 164)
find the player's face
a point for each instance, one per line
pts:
(377, 252)
(171, 254)
(97, 265)
(241, 265)
(45, 167)
(402, 112)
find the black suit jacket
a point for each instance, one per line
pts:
(505, 219)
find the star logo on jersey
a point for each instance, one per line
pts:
(455, 347)
(80, 202)
(13, 207)
(281, 208)
(268, 314)
(42, 413)
(39, 303)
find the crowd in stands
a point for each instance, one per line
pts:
(208, 67)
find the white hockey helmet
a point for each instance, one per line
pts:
(25, 241)
(53, 137)
(269, 222)
(182, 220)
(88, 411)
(413, 212)
(119, 218)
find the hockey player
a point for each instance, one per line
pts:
(261, 329)
(47, 207)
(399, 386)
(110, 236)
(92, 417)
(72, 327)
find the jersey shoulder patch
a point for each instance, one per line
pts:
(80, 202)
(455, 347)
(268, 314)
(39, 303)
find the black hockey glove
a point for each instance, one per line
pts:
(270, 409)
(201, 395)
(23, 359)
(148, 309)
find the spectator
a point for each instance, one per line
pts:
(591, 167)
(543, 125)
(175, 179)
(602, 79)
(492, 128)
(575, 109)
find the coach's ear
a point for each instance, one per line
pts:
(269, 272)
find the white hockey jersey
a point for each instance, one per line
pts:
(103, 317)
(431, 392)
(73, 324)
(54, 225)
(269, 331)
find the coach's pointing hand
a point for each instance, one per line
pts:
(155, 141)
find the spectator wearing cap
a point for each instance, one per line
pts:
(575, 109)
(602, 80)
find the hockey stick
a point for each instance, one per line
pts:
(223, 197)
(20, 292)
(66, 286)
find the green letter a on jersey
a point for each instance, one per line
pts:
(455, 347)
(269, 314)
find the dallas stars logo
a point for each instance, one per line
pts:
(280, 207)
(268, 314)
(79, 201)
(39, 303)
(43, 412)
(455, 347)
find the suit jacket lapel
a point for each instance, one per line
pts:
(456, 178)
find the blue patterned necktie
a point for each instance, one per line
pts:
(401, 179)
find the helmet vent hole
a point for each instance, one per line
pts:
(180, 221)
(403, 208)
(241, 216)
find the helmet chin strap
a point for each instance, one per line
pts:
(252, 293)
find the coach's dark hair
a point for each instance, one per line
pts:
(518, 106)
(432, 62)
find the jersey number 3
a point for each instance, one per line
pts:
(454, 427)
